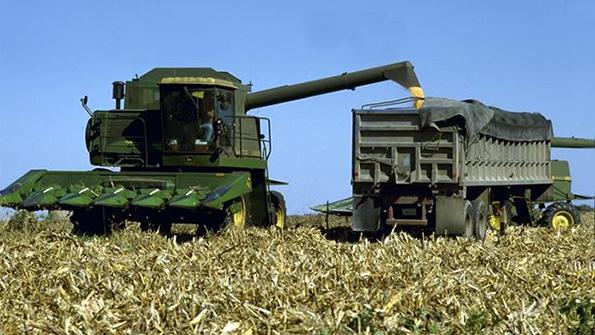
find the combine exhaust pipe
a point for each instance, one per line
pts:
(118, 92)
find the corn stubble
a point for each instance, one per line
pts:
(301, 280)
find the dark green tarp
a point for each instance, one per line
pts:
(487, 120)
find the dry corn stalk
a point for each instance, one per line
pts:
(532, 280)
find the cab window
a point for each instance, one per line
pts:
(188, 118)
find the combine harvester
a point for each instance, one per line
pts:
(186, 150)
(455, 168)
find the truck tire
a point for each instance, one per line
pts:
(560, 216)
(279, 210)
(469, 231)
(480, 219)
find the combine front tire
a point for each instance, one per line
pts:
(96, 221)
(279, 210)
(164, 228)
(237, 215)
(89, 223)
(560, 216)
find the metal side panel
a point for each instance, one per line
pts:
(390, 147)
(492, 161)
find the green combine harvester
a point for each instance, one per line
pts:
(187, 152)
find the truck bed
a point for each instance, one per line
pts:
(390, 146)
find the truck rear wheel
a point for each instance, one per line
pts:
(454, 216)
(480, 219)
(468, 220)
(560, 216)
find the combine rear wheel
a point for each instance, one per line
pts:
(560, 216)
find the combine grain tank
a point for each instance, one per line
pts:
(456, 167)
(186, 150)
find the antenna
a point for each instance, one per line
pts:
(84, 101)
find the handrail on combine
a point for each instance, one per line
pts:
(239, 136)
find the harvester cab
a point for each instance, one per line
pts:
(193, 109)
(177, 118)
(199, 117)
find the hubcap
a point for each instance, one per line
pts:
(481, 226)
(279, 218)
(239, 217)
(494, 222)
(562, 220)
(468, 225)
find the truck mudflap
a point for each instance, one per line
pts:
(42, 189)
(366, 215)
(453, 216)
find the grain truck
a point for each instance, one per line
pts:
(455, 168)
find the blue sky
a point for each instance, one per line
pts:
(518, 55)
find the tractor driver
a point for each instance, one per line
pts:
(206, 114)
(205, 130)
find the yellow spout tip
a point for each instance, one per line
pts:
(417, 93)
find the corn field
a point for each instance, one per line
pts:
(302, 280)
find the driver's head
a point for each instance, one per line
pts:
(207, 115)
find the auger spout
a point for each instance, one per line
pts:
(573, 142)
(401, 73)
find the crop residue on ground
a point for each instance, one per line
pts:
(258, 280)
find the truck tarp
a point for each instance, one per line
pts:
(487, 120)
